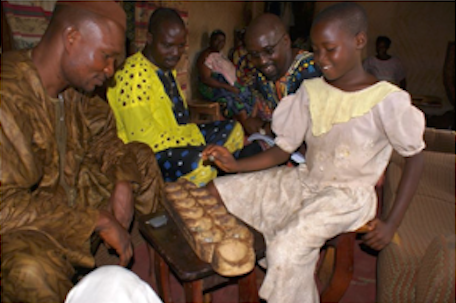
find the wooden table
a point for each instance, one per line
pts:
(197, 277)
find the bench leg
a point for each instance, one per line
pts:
(162, 277)
(193, 291)
(248, 292)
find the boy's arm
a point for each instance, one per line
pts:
(225, 160)
(269, 158)
(382, 231)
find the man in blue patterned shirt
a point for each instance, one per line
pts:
(280, 69)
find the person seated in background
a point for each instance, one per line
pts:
(280, 69)
(218, 82)
(384, 66)
(245, 70)
(150, 107)
(65, 174)
(238, 42)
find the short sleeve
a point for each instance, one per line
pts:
(290, 120)
(403, 123)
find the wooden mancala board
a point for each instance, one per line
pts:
(216, 236)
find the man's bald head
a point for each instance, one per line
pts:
(161, 16)
(266, 24)
(76, 11)
(86, 39)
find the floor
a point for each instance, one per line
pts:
(361, 290)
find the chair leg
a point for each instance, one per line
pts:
(162, 278)
(248, 292)
(207, 297)
(193, 291)
(343, 269)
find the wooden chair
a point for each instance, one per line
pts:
(336, 267)
(337, 260)
(202, 111)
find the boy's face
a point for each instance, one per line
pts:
(336, 50)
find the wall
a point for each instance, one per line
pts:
(420, 32)
(204, 17)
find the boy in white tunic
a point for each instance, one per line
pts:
(350, 123)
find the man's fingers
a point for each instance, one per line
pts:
(125, 256)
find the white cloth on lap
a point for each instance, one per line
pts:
(112, 284)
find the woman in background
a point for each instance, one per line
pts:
(384, 66)
(218, 82)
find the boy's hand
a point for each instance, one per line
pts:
(221, 157)
(380, 234)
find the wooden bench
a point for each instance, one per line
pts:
(197, 277)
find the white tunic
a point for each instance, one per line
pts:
(299, 208)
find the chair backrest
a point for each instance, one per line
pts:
(202, 111)
(440, 140)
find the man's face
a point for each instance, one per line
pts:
(268, 52)
(167, 45)
(93, 51)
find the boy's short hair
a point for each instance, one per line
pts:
(352, 15)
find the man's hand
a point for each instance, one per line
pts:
(253, 125)
(380, 234)
(233, 89)
(221, 157)
(115, 236)
(121, 203)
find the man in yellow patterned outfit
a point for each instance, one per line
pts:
(149, 105)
